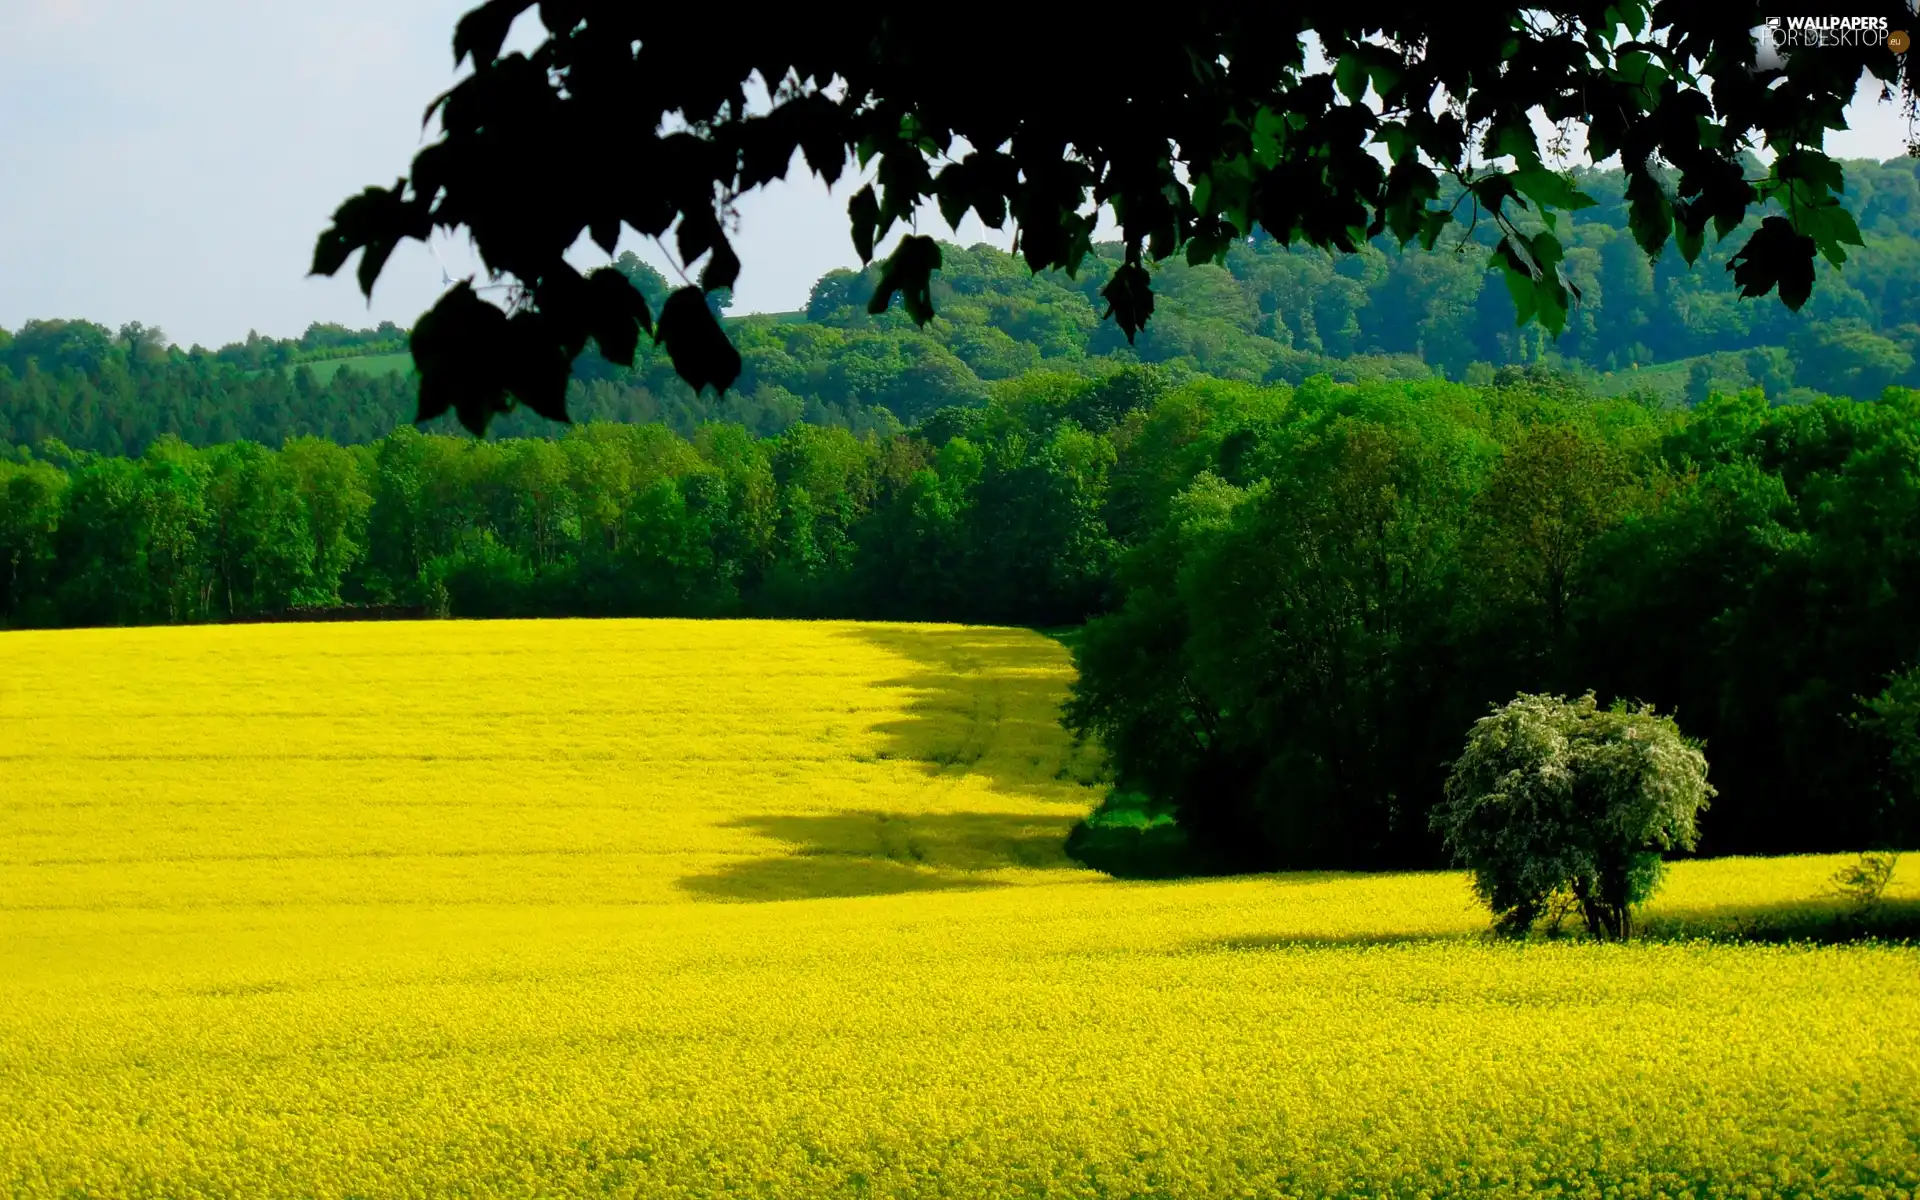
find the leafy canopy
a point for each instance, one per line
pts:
(1555, 798)
(1219, 124)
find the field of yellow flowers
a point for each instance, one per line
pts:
(676, 909)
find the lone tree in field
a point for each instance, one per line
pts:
(1555, 798)
(1324, 123)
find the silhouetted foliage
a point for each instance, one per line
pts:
(1218, 127)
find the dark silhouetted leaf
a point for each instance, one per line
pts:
(722, 269)
(1689, 231)
(456, 351)
(536, 365)
(1351, 75)
(1411, 186)
(1775, 256)
(1129, 297)
(694, 340)
(373, 222)
(909, 271)
(617, 313)
(1649, 211)
(1820, 173)
(482, 32)
(864, 212)
(698, 233)
(605, 234)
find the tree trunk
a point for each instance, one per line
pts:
(1590, 908)
(1608, 922)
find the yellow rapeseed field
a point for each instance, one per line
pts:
(779, 910)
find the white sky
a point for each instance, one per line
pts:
(173, 163)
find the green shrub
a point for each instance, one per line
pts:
(1559, 797)
(1131, 837)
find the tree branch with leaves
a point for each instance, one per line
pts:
(1223, 121)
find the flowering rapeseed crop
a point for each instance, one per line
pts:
(737, 909)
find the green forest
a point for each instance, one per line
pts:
(1297, 598)
(1304, 532)
(1271, 315)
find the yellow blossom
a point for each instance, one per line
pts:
(681, 909)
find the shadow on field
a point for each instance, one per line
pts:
(986, 702)
(1808, 922)
(878, 854)
(1308, 938)
(1826, 921)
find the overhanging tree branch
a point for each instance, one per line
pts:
(636, 118)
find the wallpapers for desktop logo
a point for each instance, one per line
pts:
(1824, 31)
(1795, 31)
(1786, 33)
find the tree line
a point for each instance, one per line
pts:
(1298, 599)
(1268, 315)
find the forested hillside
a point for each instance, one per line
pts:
(1301, 597)
(1316, 520)
(1271, 315)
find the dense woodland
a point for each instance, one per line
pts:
(1306, 560)
(1271, 315)
(1300, 597)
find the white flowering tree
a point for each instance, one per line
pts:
(1557, 798)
